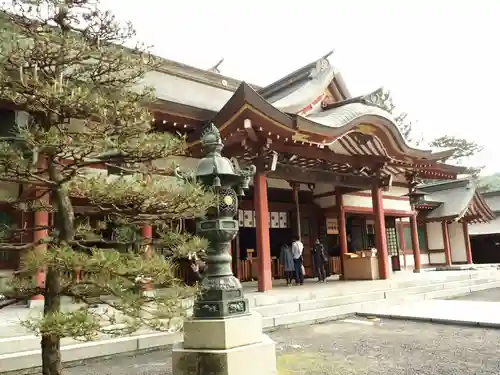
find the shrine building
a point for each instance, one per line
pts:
(329, 166)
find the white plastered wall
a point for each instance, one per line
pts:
(364, 201)
(457, 242)
(410, 261)
(435, 241)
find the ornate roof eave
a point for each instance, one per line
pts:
(371, 107)
(448, 168)
(488, 214)
(247, 103)
(484, 212)
(352, 117)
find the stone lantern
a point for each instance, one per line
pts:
(222, 294)
(223, 337)
(416, 196)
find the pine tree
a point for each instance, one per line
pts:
(65, 62)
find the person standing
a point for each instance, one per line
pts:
(320, 260)
(286, 258)
(297, 250)
(195, 271)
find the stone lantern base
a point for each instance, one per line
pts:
(225, 347)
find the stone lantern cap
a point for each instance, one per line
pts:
(217, 170)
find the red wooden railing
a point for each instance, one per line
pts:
(248, 269)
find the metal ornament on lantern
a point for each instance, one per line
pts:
(222, 294)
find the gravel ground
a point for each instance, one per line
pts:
(352, 346)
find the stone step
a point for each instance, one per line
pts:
(31, 342)
(258, 300)
(430, 291)
(335, 308)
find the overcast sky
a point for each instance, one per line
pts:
(440, 58)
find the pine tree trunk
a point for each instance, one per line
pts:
(51, 344)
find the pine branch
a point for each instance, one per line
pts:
(11, 297)
(32, 229)
(27, 246)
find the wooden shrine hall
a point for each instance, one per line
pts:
(329, 166)
(341, 147)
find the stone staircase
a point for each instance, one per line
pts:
(282, 307)
(328, 303)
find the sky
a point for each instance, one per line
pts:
(440, 58)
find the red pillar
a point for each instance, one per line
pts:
(41, 219)
(468, 250)
(380, 234)
(262, 232)
(446, 243)
(147, 233)
(341, 222)
(414, 243)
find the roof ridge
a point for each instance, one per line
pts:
(297, 74)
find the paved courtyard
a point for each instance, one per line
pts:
(478, 309)
(354, 346)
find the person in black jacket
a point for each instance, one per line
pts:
(195, 270)
(320, 260)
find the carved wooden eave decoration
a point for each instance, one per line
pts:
(360, 116)
(313, 176)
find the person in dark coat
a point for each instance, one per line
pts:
(320, 260)
(286, 259)
(195, 270)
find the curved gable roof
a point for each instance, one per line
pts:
(458, 199)
(351, 116)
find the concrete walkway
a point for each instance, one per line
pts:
(469, 313)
